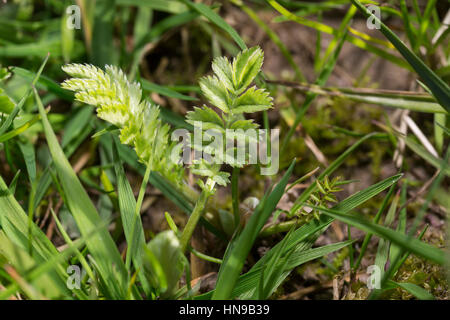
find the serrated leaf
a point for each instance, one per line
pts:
(246, 66)
(222, 178)
(215, 92)
(244, 125)
(253, 100)
(203, 168)
(209, 119)
(224, 71)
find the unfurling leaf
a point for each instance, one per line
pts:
(209, 119)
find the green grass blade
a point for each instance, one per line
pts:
(331, 168)
(165, 91)
(294, 258)
(410, 32)
(396, 99)
(273, 269)
(377, 217)
(73, 247)
(321, 80)
(132, 224)
(427, 156)
(6, 104)
(13, 183)
(7, 123)
(170, 6)
(312, 228)
(340, 32)
(46, 285)
(247, 282)
(425, 23)
(14, 222)
(382, 255)
(56, 261)
(103, 50)
(438, 87)
(329, 30)
(234, 262)
(44, 83)
(15, 132)
(209, 14)
(418, 292)
(406, 242)
(273, 36)
(36, 49)
(101, 246)
(439, 122)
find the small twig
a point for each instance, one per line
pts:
(336, 293)
(420, 192)
(315, 150)
(47, 213)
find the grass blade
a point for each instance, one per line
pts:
(101, 245)
(438, 87)
(165, 91)
(418, 292)
(248, 282)
(390, 98)
(329, 30)
(406, 242)
(234, 260)
(132, 224)
(209, 14)
(7, 123)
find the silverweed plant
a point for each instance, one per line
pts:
(93, 215)
(119, 102)
(228, 90)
